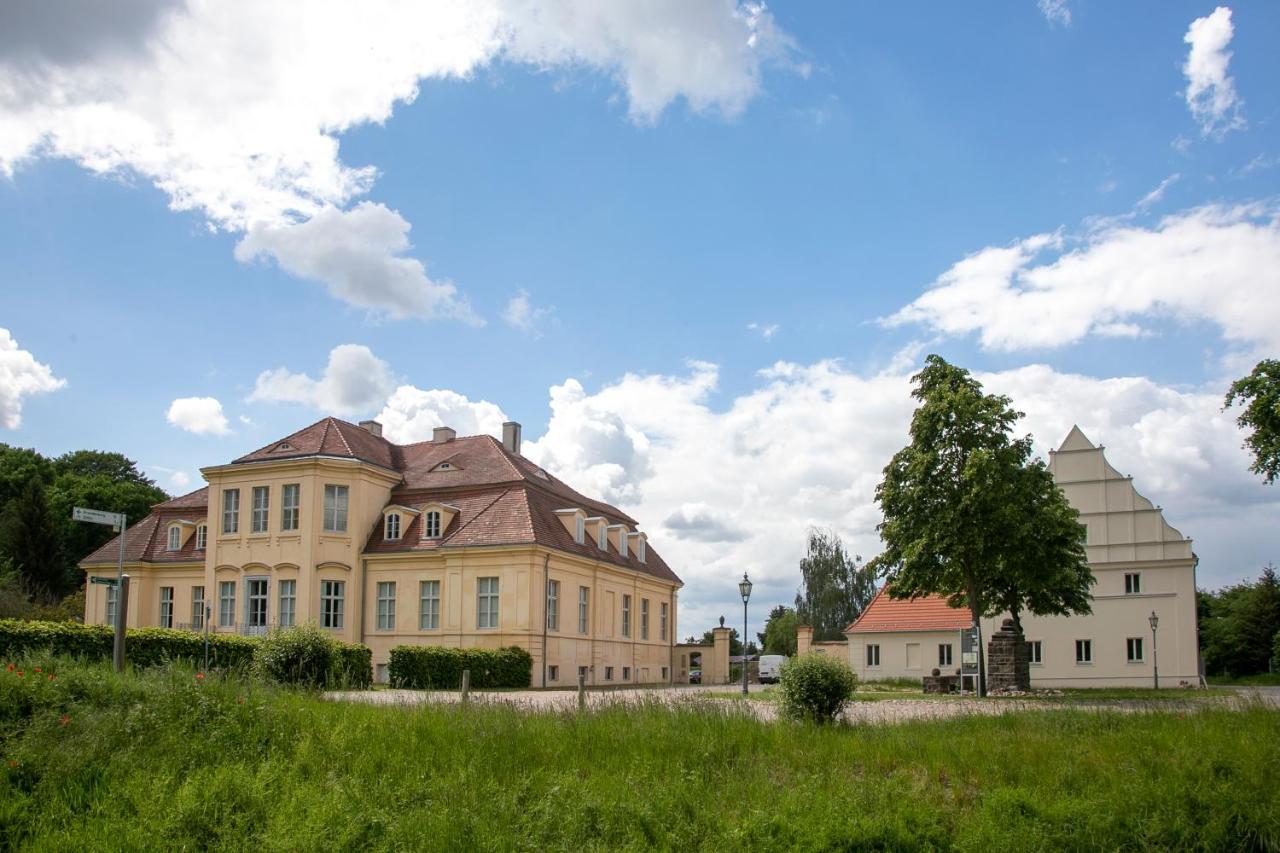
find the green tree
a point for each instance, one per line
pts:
(107, 481)
(29, 542)
(735, 642)
(834, 586)
(1238, 625)
(779, 635)
(1259, 393)
(18, 466)
(965, 511)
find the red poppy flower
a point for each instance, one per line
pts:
(51, 676)
(21, 673)
(64, 719)
(199, 676)
(37, 669)
(11, 667)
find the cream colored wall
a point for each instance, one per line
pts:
(145, 581)
(894, 653)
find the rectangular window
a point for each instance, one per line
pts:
(664, 673)
(332, 595)
(431, 525)
(662, 620)
(113, 597)
(944, 654)
(197, 608)
(392, 530)
(290, 495)
(288, 603)
(227, 604)
(644, 618)
(626, 673)
(1084, 651)
(202, 537)
(175, 538)
(231, 511)
(583, 672)
(386, 605)
(553, 605)
(1133, 649)
(1035, 648)
(429, 606)
(1132, 584)
(584, 594)
(626, 615)
(486, 602)
(553, 673)
(335, 509)
(261, 506)
(608, 673)
(166, 607)
(255, 604)
(873, 655)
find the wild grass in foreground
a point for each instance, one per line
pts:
(164, 759)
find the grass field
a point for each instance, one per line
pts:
(166, 760)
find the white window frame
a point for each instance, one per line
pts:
(608, 673)
(113, 600)
(386, 605)
(1132, 583)
(260, 622)
(260, 509)
(1084, 652)
(1132, 644)
(663, 616)
(290, 506)
(873, 655)
(945, 654)
(584, 610)
(602, 537)
(1035, 652)
(626, 673)
(230, 511)
(166, 607)
(431, 525)
(429, 605)
(197, 608)
(337, 501)
(226, 604)
(333, 595)
(391, 530)
(202, 536)
(579, 529)
(488, 603)
(626, 614)
(287, 602)
(175, 538)
(553, 605)
(644, 618)
(553, 672)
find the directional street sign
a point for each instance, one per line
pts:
(97, 516)
(107, 581)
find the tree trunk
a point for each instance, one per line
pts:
(975, 610)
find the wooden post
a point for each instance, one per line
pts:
(466, 686)
(582, 692)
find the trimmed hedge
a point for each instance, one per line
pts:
(440, 667)
(154, 646)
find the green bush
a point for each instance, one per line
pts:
(816, 687)
(302, 655)
(440, 667)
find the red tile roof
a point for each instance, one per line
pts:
(927, 613)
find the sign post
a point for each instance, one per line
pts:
(117, 521)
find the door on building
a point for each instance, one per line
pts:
(255, 602)
(913, 655)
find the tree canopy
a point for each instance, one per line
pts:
(834, 586)
(1239, 626)
(779, 634)
(1259, 393)
(969, 516)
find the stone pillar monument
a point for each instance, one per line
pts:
(804, 639)
(715, 665)
(1008, 660)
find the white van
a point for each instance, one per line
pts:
(771, 668)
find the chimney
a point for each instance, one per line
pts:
(511, 437)
(372, 427)
(443, 435)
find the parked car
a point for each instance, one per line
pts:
(771, 668)
(695, 676)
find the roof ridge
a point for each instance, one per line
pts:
(338, 429)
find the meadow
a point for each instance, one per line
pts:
(175, 759)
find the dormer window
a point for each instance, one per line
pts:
(284, 445)
(444, 466)
(202, 536)
(431, 525)
(393, 526)
(580, 530)
(175, 538)
(602, 540)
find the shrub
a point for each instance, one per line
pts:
(440, 667)
(816, 687)
(302, 655)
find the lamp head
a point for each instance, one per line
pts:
(1153, 620)
(744, 587)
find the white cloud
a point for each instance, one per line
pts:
(200, 415)
(20, 376)
(765, 330)
(234, 108)
(1220, 264)
(355, 381)
(522, 314)
(1211, 93)
(1157, 194)
(179, 480)
(411, 414)
(1056, 12)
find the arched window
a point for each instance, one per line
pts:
(393, 526)
(175, 538)
(431, 525)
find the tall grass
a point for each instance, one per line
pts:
(162, 759)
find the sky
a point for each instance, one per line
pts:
(697, 248)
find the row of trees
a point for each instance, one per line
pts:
(1240, 627)
(39, 543)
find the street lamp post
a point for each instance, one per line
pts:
(744, 587)
(1154, 620)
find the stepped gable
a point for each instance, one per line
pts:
(927, 613)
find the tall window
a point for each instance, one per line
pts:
(290, 495)
(231, 511)
(579, 530)
(662, 620)
(113, 599)
(429, 606)
(261, 505)
(227, 604)
(202, 536)
(386, 605)
(1036, 650)
(166, 607)
(873, 655)
(431, 525)
(644, 618)
(331, 601)
(392, 526)
(1084, 651)
(1133, 649)
(602, 536)
(255, 603)
(175, 538)
(197, 608)
(584, 595)
(553, 605)
(626, 615)
(1132, 584)
(287, 613)
(486, 602)
(944, 654)
(335, 509)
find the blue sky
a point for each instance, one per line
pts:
(672, 256)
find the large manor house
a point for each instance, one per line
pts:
(447, 542)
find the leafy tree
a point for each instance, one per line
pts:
(29, 542)
(968, 517)
(18, 466)
(1259, 393)
(834, 586)
(1238, 626)
(779, 635)
(735, 642)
